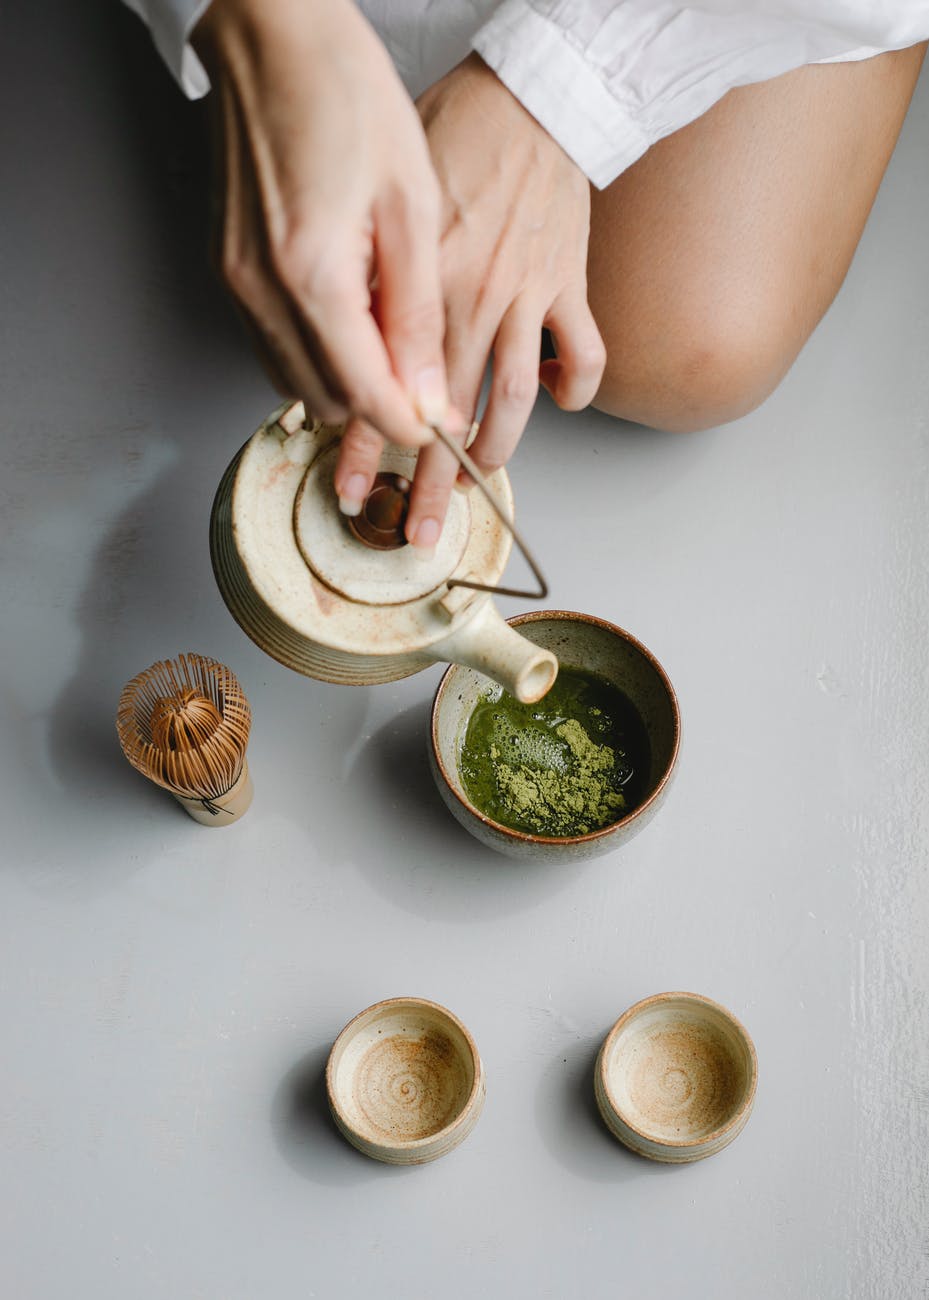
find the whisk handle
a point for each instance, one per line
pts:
(226, 809)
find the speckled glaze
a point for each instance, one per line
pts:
(675, 1078)
(405, 1081)
(315, 598)
(579, 641)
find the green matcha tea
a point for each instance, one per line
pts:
(572, 763)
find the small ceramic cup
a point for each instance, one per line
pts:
(593, 645)
(405, 1081)
(675, 1078)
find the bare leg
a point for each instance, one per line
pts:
(715, 256)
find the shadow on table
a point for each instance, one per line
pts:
(146, 302)
(307, 1137)
(570, 1125)
(433, 868)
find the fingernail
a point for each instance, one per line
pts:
(352, 496)
(427, 534)
(431, 395)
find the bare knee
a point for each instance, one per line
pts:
(695, 373)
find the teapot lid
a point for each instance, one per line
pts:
(334, 548)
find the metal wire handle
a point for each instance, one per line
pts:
(468, 465)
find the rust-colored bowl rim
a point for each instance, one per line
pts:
(527, 837)
(407, 1144)
(698, 999)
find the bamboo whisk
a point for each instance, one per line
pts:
(184, 723)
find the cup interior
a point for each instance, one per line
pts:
(401, 1072)
(578, 641)
(678, 1070)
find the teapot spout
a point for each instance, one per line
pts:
(487, 643)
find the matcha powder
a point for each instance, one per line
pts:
(575, 799)
(564, 766)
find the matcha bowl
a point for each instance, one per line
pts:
(585, 646)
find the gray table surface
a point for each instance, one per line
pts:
(169, 994)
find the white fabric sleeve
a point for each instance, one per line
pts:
(607, 78)
(171, 22)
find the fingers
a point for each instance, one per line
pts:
(573, 377)
(468, 340)
(359, 457)
(328, 288)
(513, 388)
(436, 469)
(410, 309)
(467, 346)
(278, 342)
(303, 285)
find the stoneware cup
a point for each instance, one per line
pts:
(579, 641)
(405, 1081)
(675, 1078)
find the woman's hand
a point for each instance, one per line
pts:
(327, 189)
(515, 226)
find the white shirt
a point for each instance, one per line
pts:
(606, 78)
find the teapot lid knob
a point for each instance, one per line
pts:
(379, 523)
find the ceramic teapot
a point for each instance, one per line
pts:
(347, 600)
